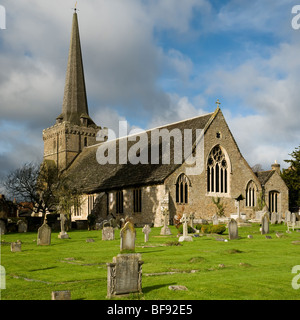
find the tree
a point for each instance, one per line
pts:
(257, 168)
(291, 176)
(42, 185)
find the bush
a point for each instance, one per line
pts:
(190, 229)
(210, 228)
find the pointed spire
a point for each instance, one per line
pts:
(75, 107)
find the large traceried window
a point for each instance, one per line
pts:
(217, 171)
(182, 189)
(251, 194)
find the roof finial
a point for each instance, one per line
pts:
(75, 9)
(218, 103)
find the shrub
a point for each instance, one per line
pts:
(190, 229)
(210, 228)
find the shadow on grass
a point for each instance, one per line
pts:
(157, 286)
(48, 268)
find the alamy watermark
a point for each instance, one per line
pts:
(156, 146)
(295, 20)
(2, 272)
(2, 17)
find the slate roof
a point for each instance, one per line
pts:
(264, 176)
(89, 176)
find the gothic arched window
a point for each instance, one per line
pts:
(182, 189)
(251, 194)
(217, 171)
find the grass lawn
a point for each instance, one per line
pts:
(243, 269)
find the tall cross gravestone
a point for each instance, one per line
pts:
(165, 230)
(63, 234)
(146, 230)
(233, 229)
(185, 237)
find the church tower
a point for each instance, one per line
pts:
(74, 129)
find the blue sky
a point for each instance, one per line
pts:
(152, 62)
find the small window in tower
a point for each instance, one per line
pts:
(218, 135)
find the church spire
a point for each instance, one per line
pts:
(75, 107)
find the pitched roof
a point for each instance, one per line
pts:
(89, 176)
(264, 176)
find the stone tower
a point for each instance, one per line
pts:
(74, 129)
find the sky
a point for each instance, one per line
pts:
(153, 62)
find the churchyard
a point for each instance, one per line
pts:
(254, 266)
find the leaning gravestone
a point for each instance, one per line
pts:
(128, 235)
(146, 230)
(124, 275)
(44, 235)
(265, 223)
(108, 233)
(233, 229)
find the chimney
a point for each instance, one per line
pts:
(275, 166)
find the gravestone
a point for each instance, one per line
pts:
(63, 234)
(124, 274)
(287, 216)
(146, 230)
(279, 218)
(108, 233)
(127, 235)
(22, 226)
(89, 240)
(192, 217)
(2, 278)
(215, 220)
(15, 246)
(44, 235)
(2, 227)
(185, 237)
(165, 230)
(61, 295)
(265, 223)
(293, 218)
(273, 218)
(233, 229)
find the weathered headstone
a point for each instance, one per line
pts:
(287, 216)
(192, 217)
(2, 278)
(185, 237)
(44, 235)
(279, 217)
(2, 227)
(124, 274)
(265, 223)
(108, 233)
(63, 234)
(215, 220)
(293, 218)
(146, 230)
(89, 240)
(127, 235)
(233, 229)
(22, 226)
(165, 230)
(16, 246)
(61, 295)
(273, 218)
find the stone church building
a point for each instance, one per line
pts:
(150, 185)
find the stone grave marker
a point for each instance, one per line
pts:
(127, 235)
(265, 223)
(287, 216)
(16, 246)
(192, 218)
(63, 234)
(146, 230)
(293, 218)
(108, 233)
(124, 274)
(2, 278)
(2, 227)
(233, 229)
(185, 237)
(273, 218)
(44, 235)
(165, 230)
(215, 220)
(22, 226)
(279, 218)
(61, 295)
